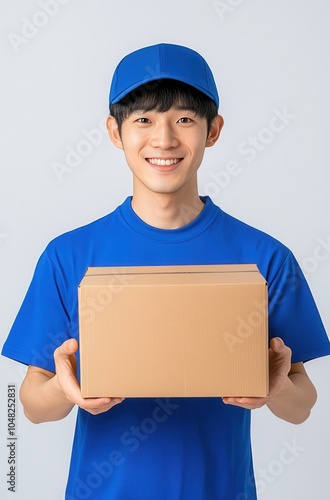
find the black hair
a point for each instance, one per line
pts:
(161, 95)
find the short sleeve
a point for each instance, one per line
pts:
(42, 323)
(293, 314)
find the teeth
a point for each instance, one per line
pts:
(158, 161)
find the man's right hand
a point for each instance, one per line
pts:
(48, 396)
(65, 363)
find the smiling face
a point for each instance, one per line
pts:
(164, 149)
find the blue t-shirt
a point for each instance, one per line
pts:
(156, 448)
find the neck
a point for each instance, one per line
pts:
(167, 211)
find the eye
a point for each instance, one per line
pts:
(143, 120)
(185, 119)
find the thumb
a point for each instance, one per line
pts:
(69, 346)
(276, 344)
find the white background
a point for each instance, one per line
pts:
(55, 74)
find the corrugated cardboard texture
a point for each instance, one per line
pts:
(173, 331)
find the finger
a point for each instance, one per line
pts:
(277, 344)
(65, 370)
(99, 402)
(279, 351)
(241, 400)
(68, 347)
(244, 402)
(100, 405)
(64, 358)
(65, 362)
(70, 385)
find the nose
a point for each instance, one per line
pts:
(164, 137)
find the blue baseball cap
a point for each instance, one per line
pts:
(160, 61)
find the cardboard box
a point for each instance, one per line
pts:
(173, 331)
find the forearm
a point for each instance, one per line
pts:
(43, 399)
(295, 400)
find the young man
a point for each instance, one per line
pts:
(164, 112)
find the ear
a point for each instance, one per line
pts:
(214, 132)
(113, 131)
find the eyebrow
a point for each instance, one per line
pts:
(177, 108)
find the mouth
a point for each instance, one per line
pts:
(164, 162)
